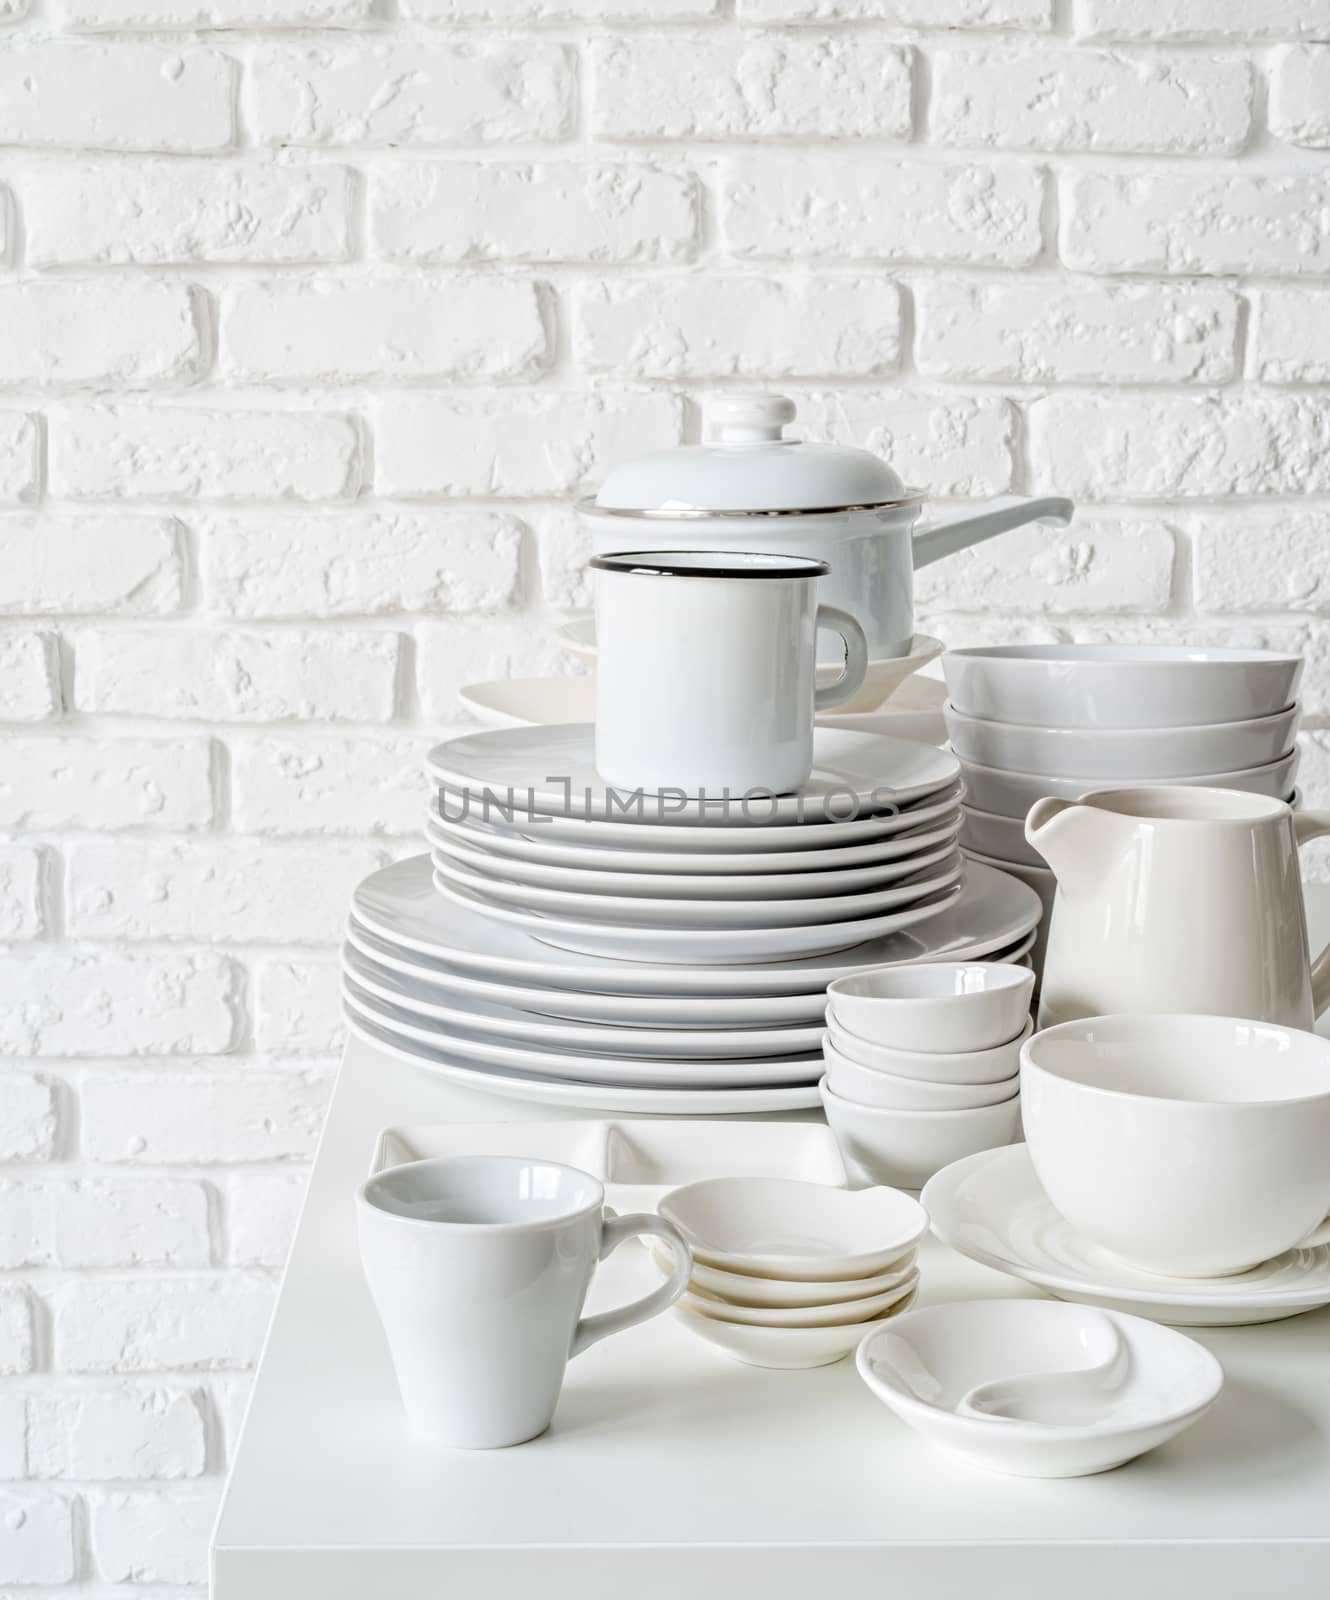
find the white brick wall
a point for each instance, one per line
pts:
(313, 322)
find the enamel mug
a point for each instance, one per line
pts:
(479, 1267)
(705, 676)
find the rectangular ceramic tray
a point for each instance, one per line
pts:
(637, 1160)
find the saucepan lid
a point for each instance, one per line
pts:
(748, 468)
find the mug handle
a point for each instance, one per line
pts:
(617, 1229)
(1309, 825)
(851, 679)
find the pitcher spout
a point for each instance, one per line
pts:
(1070, 837)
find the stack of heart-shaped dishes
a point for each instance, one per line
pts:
(789, 1274)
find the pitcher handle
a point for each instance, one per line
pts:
(617, 1230)
(1309, 825)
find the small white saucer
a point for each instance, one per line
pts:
(992, 1208)
(787, 1348)
(1102, 1388)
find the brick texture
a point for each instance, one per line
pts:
(316, 316)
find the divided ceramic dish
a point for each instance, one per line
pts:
(1038, 1389)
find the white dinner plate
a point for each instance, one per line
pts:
(992, 1208)
(638, 912)
(471, 1015)
(567, 1066)
(552, 770)
(684, 885)
(398, 904)
(694, 947)
(765, 840)
(673, 1011)
(571, 852)
(591, 1096)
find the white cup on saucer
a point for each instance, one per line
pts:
(479, 1267)
(706, 670)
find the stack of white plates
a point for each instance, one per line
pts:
(1028, 721)
(557, 948)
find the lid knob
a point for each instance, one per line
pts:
(747, 418)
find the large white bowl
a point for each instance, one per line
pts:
(957, 1066)
(1126, 755)
(835, 1314)
(778, 1228)
(905, 1148)
(786, 1348)
(1191, 1146)
(942, 1006)
(928, 1361)
(743, 1290)
(872, 1088)
(1002, 838)
(1119, 685)
(1011, 794)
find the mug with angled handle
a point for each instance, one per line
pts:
(706, 670)
(479, 1267)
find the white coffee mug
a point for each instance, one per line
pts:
(706, 670)
(479, 1267)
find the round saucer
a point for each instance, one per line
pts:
(992, 1208)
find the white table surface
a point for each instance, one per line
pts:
(671, 1470)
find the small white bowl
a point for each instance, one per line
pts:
(873, 1088)
(1123, 755)
(780, 1228)
(780, 1292)
(934, 1006)
(785, 1348)
(928, 1361)
(837, 1315)
(970, 1066)
(905, 1148)
(1011, 794)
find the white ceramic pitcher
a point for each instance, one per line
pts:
(1178, 899)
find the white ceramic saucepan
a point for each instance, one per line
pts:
(750, 488)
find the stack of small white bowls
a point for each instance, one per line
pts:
(789, 1274)
(1028, 721)
(923, 1065)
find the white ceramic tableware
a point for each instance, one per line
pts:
(520, 702)
(450, 1065)
(399, 907)
(651, 911)
(787, 1349)
(1192, 1146)
(681, 884)
(1038, 879)
(1119, 685)
(773, 1228)
(1176, 899)
(1011, 794)
(706, 659)
(700, 947)
(993, 1209)
(906, 1148)
(945, 1006)
(776, 863)
(869, 1087)
(551, 771)
(745, 832)
(835, 1315)
(998, 838)
(888, 680)
(479, 1267)
(1124, 755)
(518, 1056)
(745, 1290)
(923, 1366)
(472, 1016)
(995, 1065)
